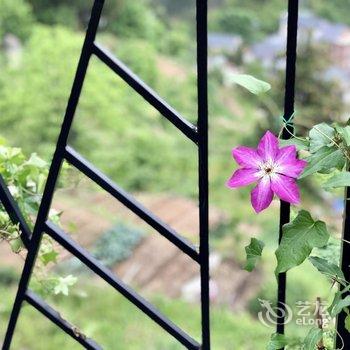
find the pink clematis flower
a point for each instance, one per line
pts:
(274, 169)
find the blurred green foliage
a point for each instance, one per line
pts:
(109, 326)
(252, 19)
(335, 10)
(110, 115)
(16, 17)
(236, 21)
(133, 144)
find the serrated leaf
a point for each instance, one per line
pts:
(312, 338)
(299, 238)
(253, 251)
(277, 341)
(48, 257)
(252, 84)
(300, 144)
(339, 180)
(63, 284)
(321, 135)
(324, 159)
(330, 270)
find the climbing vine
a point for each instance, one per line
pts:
(275, 165)
(25, 178)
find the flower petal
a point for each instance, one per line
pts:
(246, 157)
(268, 146)
(243, 177)
(285, 188)
(293, 169)
(286, 154)
(287, 162)
(262, 195)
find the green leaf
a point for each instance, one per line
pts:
(48, 257)
(300, 144)
(277, 341)
(340, 305)
(330, 270)
(253, 251)
(36, 161)
(344, 133)
(339, 180)
(347, 322)
(299, 238)
(64, 283)
(16, 245)
(311, 340)
(321, 135)
(336, 299)
(324, 159)
(255, 86)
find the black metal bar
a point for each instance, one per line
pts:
(202, 88)
(54, 170)
(14, 212)
(56, 318)
(343, 335)
(108, 185)
(292, 33)
(63, 151)
(146, 92)
(62, 238)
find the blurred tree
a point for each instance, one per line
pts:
(179, 8)
(252, 19)
(335, 10)
(114, 127)
(140, 57)
(236, 21)
(135, 19)
(317, 98)
(16, 18)
(125, 18)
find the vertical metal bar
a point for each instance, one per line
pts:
(343, 335)
(202, 86)
(292, 31)
(54, 170)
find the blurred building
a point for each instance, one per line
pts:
(270, 52)
(311, 27)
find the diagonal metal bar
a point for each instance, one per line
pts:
(54, 170)
(291, 56)
(14, 212)
(62, 152)
(108, 185)
(63, 239)
(146, 92)
(56, 318)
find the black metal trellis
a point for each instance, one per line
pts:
(199, 135)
